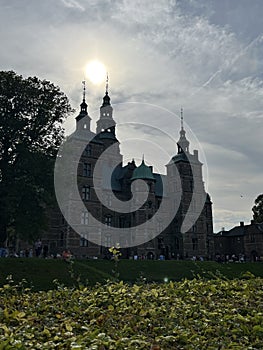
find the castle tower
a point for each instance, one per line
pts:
(83, 119)
(147, 210)
(106, 122)
(184, 176)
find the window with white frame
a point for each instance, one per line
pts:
(107, 241)
(83, 242)
(87, 171)
(108, 200)
(108, 220)
(84, 218)
(86, 193)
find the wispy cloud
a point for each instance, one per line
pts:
(73, 4)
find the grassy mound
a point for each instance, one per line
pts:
(40, 273)
(196, 314)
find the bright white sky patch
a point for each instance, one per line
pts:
(96, 72)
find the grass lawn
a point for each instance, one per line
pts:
(41, 273)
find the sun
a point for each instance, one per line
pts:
(96, 72)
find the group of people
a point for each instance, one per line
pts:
(230, 258)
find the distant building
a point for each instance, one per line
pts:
(171, 242)
(246, 240)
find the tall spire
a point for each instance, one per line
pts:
(84, 90)
(106, 98)
(106, 122)
(83, 106)
(182, 118)
(183, 143)
(107, 83)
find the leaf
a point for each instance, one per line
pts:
(68, 327)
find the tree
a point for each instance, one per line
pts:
(258, 209)
(31, 116)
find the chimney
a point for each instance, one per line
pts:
(242, 223)
(151, 167)
(196, 153)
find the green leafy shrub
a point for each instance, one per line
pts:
(196, 314)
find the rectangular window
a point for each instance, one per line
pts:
(84, 218)
(108, 220)
(87, 169)
(86, 193)
(176, 243)
(83, 242)
(61, 239)
(109, 200)
(121, 221)
(107, 241)
(88, 150)
(195, 243)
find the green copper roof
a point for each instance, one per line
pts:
(142, 172)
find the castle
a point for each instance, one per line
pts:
(173, 221)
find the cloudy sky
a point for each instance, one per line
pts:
(204, 55)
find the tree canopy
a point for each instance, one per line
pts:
(258, 209)
(31, 115)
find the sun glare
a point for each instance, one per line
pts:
(96, 72)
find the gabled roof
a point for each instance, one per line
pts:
(241, 230)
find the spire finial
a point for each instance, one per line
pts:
(183, 143)
(182, 118)
(84, 90)
(107, 83)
